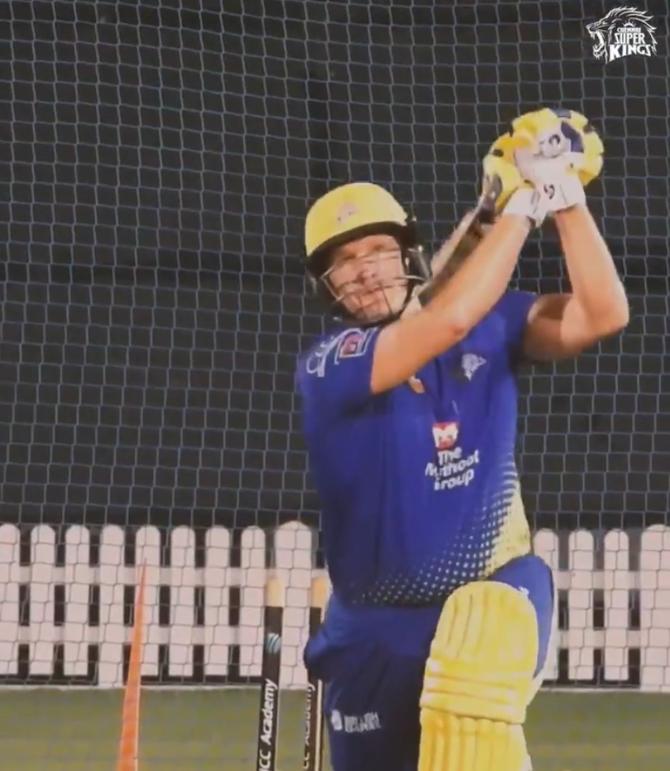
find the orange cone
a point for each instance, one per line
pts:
(130, 716)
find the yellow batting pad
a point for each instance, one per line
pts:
(479, 681)
(453, 743)
(484, 653)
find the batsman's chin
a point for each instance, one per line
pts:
(377, 306)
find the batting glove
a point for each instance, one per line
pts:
(505, 188)
(501, 176)
(558, 152)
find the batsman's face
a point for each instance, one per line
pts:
(367, 277)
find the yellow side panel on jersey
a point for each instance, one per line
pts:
(513, 540)
(479, 681)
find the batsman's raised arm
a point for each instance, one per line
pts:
(562, 159)
(409, 343)
(363, 256)
(561, 325)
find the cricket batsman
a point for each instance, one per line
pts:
(438, 627)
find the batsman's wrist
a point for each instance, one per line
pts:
(524, 220)
(570, 214)
(525, 202)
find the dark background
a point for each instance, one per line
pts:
(156, 165)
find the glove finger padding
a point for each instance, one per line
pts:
(501, 176)
(546, 135)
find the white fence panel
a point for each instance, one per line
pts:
(78, 581)
(252, 601)
(182, 602)
(148, 553)
(42, 628)
(221, 628)
(111, 630)
(655, 608)
(9, 599)
(580, 606)
(218, 632)
(293, 559)
(616, 592)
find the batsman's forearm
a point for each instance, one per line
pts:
(480, 282)
(593, 276)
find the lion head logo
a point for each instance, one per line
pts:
(621, 32)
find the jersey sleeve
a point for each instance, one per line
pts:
(334, 376)
(514, 308)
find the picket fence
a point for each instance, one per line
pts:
(614, 620)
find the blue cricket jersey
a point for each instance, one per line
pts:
(418, 485)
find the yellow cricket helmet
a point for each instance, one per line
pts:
(352, 211)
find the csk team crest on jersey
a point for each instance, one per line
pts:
(346, 344)
(623, 31)
(471, 363)
(445, 435)
(354, 343)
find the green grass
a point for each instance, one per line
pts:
(44, 730)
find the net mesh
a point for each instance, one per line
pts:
(157, 161)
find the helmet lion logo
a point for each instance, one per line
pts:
(346, 211)
(607, 33)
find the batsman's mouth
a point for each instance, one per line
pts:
(377, 303)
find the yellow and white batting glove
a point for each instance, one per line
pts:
(558, 152)
(504, 187)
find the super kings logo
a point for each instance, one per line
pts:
(623, 31)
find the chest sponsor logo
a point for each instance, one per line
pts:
(445, 435)
(453, 468)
